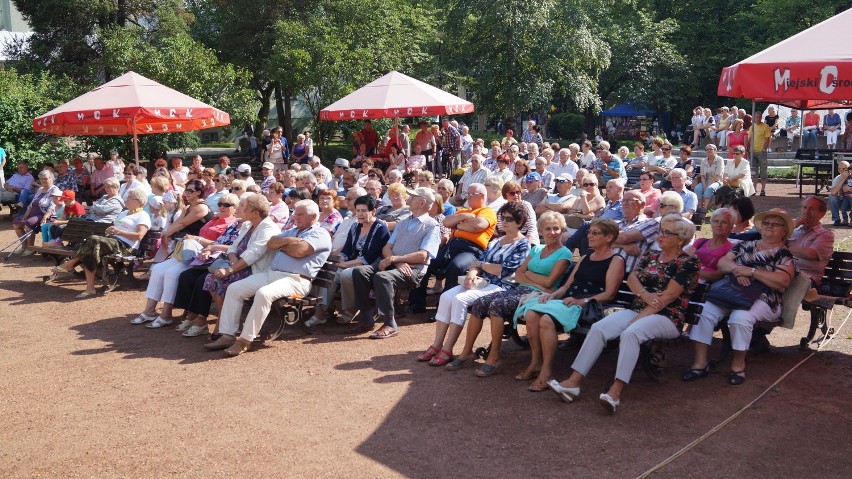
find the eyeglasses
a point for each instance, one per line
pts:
(645, 179)
(236, 188)
(189, 190)
(668, 205)
(508, 219)
(631, 200)
(590, 184)
(217, 180)
(738, 152)
(514, 192)
(667, 233)
(772, 224)
(226, 205)
(593, 233)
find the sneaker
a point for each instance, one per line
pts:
(194, 331)
(762, 193)
(344, 318)
(183, 326)
(28, 252)
(19, 205)
(313, 321)
(18, 250)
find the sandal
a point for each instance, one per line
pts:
(60, 269)
(526, 375)
(736, 378)
(487, 370)
(442, 358)
(159, 323)
(694, 374)
(456, 364)
(384, 332)
(428, 354)
(85, 294)
(538, 386)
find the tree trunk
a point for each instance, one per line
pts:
(288, 116)
(589, 125)
(263, 112)
(279, 108)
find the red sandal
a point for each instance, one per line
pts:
(428, 354)
(442, 358)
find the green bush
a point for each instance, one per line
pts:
(566, 125)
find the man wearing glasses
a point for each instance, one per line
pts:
(562, 201)
(662, 166)
(690, 200)
(637, 232)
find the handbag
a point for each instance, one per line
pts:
(591, 313)
(728, 293)
(478, 283)
(198, 264)
(186, 250)
(220, 263)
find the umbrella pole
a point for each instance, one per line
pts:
(135, 144)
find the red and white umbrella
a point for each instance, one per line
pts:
(393, 96)
(130, 105)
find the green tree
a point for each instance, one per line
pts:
(22, 99)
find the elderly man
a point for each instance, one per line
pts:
(562, 201)
(406, 257)
(336, 182)
(244, 173)
(609, 166)
(810, 243)
(475, 174)
(374, 189)
(527, 135)
(445, 189)
(534, 193)
(472, 228)
(637, 232)
(451, 144)
(14, 188)
(316, 164)
(547, 176)
(100, 174)
(690, 200)
(565, 165)
(339, 240)
(302, 250)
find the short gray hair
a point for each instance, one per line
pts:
(111, 182)
(684, 228)
(138, 194)
(311, 208)
(46, 174)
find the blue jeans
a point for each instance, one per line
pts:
(839, 206)
(810, 135)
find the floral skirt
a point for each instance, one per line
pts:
(219, 286)
(499, 305)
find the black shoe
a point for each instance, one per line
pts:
(762, 193)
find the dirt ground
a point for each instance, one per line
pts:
(86, 394)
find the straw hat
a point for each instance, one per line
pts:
(777, 213)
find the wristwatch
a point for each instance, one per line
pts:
(752, 271)
(586, 300)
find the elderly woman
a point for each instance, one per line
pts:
(397, 210)
(662, 283)
(596, 277)
(196, 220)
(737, 173)
(521, 169)
(492, 272)
(300, 150)
(512, 193)
(589, 202)
(494, 192)
(108, 206)
(243, 244)
(130, 182)
(710, 251)
(329, 217)
(65, 180)
(40, 209)
(81, 175)
(767, 261)
(364, 243)
(124, 236)
(542, 271)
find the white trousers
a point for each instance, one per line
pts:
(741, 323)
(163, 282)
(265, 287)
(655, 326)
(452, 307)
(831, 137)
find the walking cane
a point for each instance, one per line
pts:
(20, 240)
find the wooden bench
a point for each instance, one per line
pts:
(834, 290)
(291, 310)
(133, 265)
(77, 231)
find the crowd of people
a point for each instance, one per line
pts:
(527, 233)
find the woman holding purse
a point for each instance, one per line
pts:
(767, 261)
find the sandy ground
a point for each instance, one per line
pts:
(85, 394)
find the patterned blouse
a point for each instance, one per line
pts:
(510, 256)
(230, 234)
(66, 182)
(331, 222)
(655, 277)
(747, 254)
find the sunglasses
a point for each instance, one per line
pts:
(593, 233)
(515, 192)
(236, 188)
(590, 184)
(508, 219)
(772, 224)
(668, 205)
(372, 175)
(563, 181)
(226, 205)
(217, 180)
(189, 190)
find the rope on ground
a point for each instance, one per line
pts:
(724, 423)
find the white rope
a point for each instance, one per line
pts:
(724, 423)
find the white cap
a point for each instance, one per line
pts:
(268, 165)
(244, 168)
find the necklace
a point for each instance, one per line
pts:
(134, 211)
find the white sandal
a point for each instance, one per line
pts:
(142, 318)
(159, 323)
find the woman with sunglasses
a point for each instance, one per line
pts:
(596, 277)
(588, 204)
(220, 188)
(512, 193)
(130, 182)
(196, 220)
(662, 283)
(767, 261)
(492, 272)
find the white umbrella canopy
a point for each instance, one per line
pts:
(395, 95)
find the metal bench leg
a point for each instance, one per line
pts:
(817, 319)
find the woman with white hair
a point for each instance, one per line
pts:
(662, 282)
(39, 210)
(710, 250)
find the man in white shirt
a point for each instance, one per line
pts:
(475, 174)
(565, 165)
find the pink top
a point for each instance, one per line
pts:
(735, 139)
(709, 257)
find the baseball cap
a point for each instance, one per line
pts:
(244, 168)
(425, 193)
(267, 165)
(564, 177)
(534, 176)
(69, 195)
(341, 162)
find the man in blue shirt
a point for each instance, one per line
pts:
(302, 250)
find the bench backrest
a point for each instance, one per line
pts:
(325, 276)
(837, 280)
(148, 245)
(78, 230)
